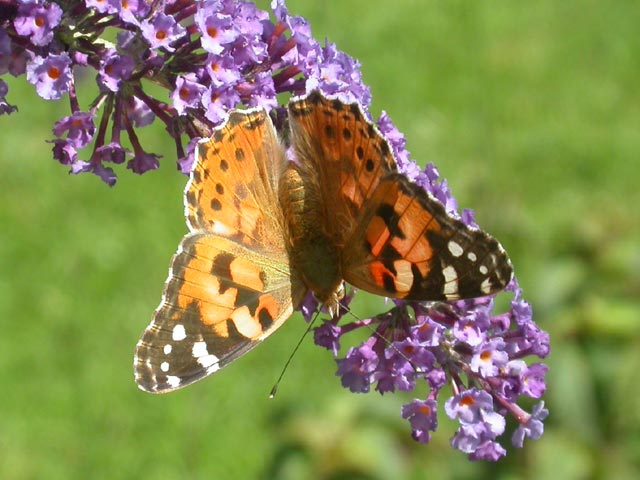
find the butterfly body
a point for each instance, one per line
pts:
(311, 250)
(264, 230)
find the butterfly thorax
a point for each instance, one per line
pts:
(313, 255)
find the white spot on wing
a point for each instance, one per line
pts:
(450, 281)
(210, 362)
(455, 248)
(167, 349)
(173, 381)
(199, 349)
(449, 273)
(164, 366)
(485, 286)
(483, 270)
(472, 256)
(179, 333)
(201, 353)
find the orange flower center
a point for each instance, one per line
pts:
(467, 400)
(54, 73)
(161, 34)
(425, 409)
(212, 32)
(485, 355)
(39, 21)
(184, 92)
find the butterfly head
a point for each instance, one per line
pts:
(331, 302)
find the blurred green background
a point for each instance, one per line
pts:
(531, 110)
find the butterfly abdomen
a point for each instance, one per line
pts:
(313, 255)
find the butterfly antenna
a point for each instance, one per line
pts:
(295, 349)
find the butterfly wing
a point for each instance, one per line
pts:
(407, 246)
(230, 284)
(221, 299)
(397, 240)
(344, 154)
(232, 189)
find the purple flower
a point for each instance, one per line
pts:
(489, 357)
(218, 102)
(533, 427)
(472, 436)
(357, 367)
(402, 360)
(214, 55)
(397, 142)
(187, 93)
(422, 416)
(103, 6)
(115, 68)
(79, 127)
(130, 10)
(222, 70)
(161, 31)
(138, 112)
(106, 174)
(217, 30)
(143, 162)
(64, 151)
(260, 92)
(532, 379)
(51, 75)
(186, 161)
(112, 152)
(467, 406)
(339, 75)
(327, 335)
(427, 332)
(37, 21)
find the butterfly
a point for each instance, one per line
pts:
(264, 230)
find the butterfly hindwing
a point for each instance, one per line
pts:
(221, 299)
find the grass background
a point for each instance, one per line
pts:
(530, 110)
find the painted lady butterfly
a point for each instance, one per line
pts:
(264, 230)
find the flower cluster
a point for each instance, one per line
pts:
(211, 56)
(480, 355)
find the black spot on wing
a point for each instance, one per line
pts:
(222, 269)
(387, 213)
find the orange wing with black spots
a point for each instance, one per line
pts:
(343, 153)
(221, 299)
(233, 184)
(230, 283)
(396, 240)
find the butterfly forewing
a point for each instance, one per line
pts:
(343, 152)
(229, 284)
(233, 183)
